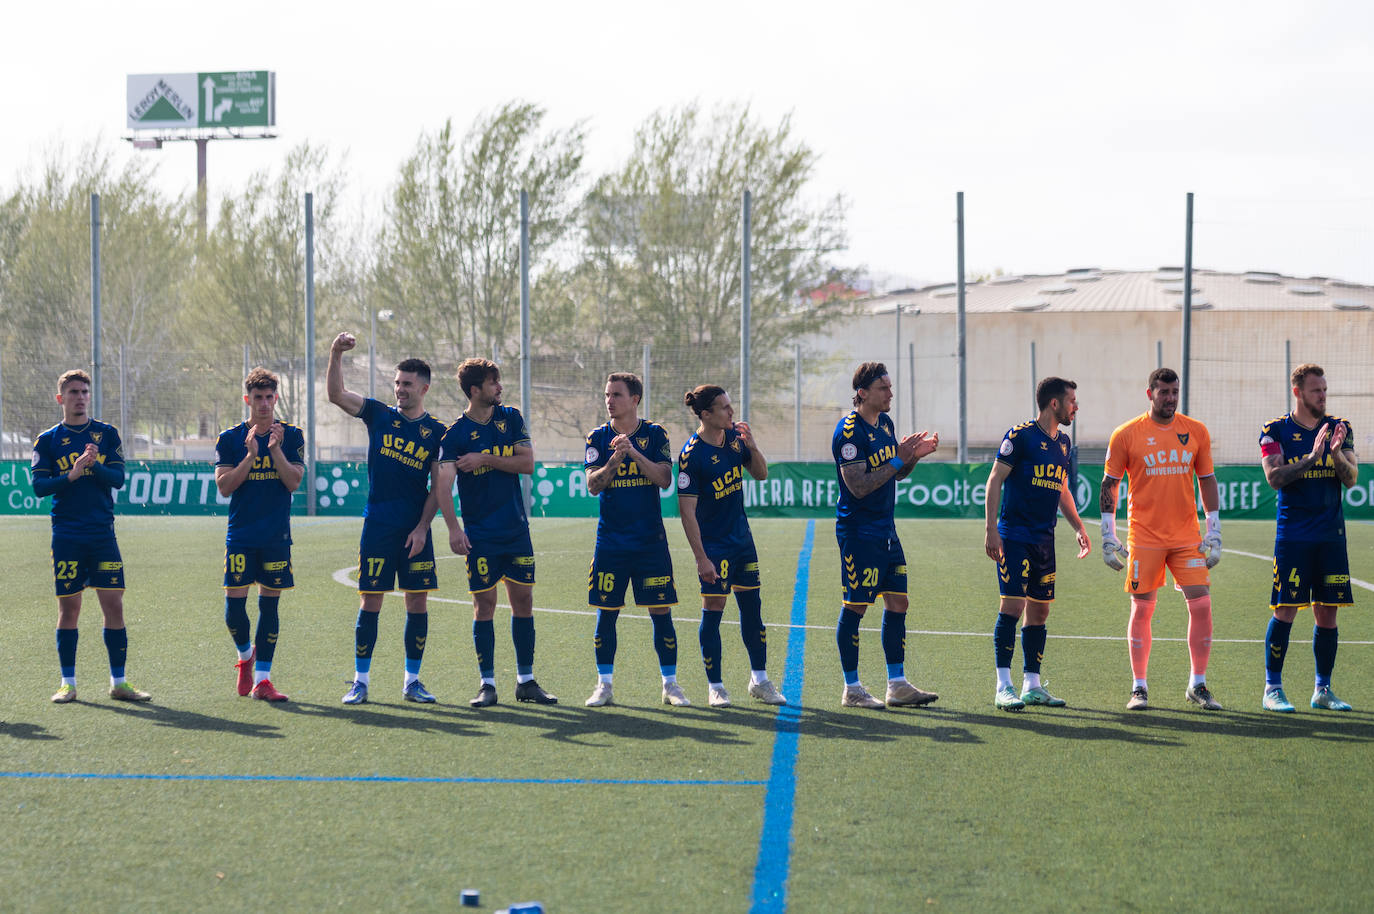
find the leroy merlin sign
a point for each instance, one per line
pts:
(236, 98)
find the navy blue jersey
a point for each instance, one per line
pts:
(631, 517)
(715, 477)
(492, 504)
(400, 452)
(260, 508)
(871, 446)
(1309, 507)
(1039, 472)
(86, 506)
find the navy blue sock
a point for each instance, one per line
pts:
(522, 633)
(117, 646)
(1324, 642)
(709, 636)
(484, 642)
(1033, 639)
(603, 640)
(751, 628)
(417, 629)
(236, 617)
(894, 643)
(1275, 649)
(1004, 640)
(665, 643)
(364, 639)
(269, 623)
(847, 637)
(66, 651)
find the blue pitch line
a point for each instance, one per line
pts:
(368, 779)
(775, 838)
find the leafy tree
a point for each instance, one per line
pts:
(449, 252)
(663, 237)
(252, 272)
(45, 297)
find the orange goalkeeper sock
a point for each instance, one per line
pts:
(1200, 633)
(1138, 635)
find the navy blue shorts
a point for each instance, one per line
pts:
(383, 562)
(1027, 570)
(266, 566)
(651, 573)
(81, 562)
(737, 570)
(488, 567)
(1310, 573)
(870, 567)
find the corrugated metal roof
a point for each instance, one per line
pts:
(1140, 290)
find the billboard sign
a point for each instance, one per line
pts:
(232, 98)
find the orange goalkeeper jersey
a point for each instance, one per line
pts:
(1160, 463)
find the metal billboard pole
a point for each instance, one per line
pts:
(1185, 372)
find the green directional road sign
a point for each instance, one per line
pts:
(231, 99)
(240, 98)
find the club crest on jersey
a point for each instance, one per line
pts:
(735, 445)
(1183, 438)
(425, 431)
(501, 426)
(96, 436)
(643, 443)
(1064, 448)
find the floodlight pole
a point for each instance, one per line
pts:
(961, 347)
(745, 303)
(526, 482)
(313, 449)
(1184, 372)
(96, 367)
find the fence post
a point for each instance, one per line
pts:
(797, 387)
(644, 405)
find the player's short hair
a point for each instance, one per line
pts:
(700, 398)
(76, 374)
(865, 375)
(417, 367)
(260, 379)
(1299, 377)
(475, 372)
(1162, 376)
(631, 381)
(1052, 389)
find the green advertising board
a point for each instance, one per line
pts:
(560, 490)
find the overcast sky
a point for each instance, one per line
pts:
(1074, 129)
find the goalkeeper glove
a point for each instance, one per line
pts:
(1211, 543)
(1113, 553)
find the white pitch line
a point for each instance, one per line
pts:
(341, 577)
